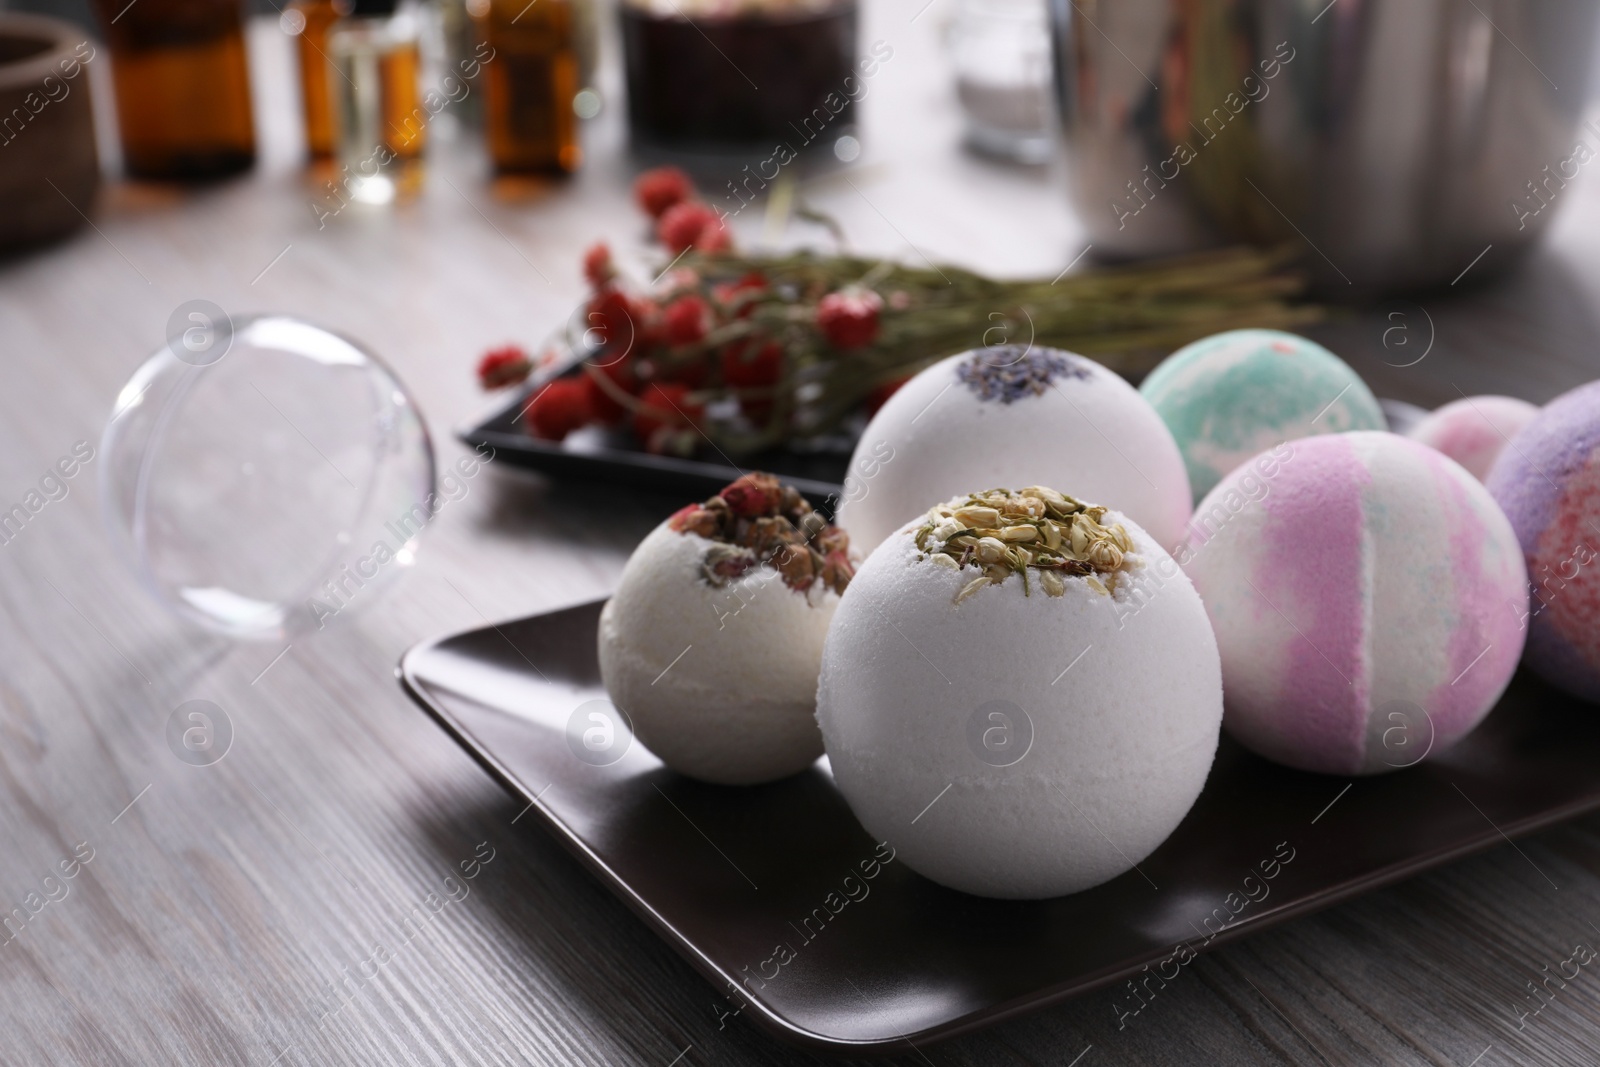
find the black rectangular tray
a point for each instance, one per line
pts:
(818, 475)
(728, 876)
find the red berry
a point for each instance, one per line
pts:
(714, 237)
(559, 408)
(602, 405)
(765, 367)
(692, 224)
(659, 189)
(597, 266)
(687, 320)
(849, 319)
(503, 366)
(690, 372)
(664, 407)
(881, 393)
(738, 298)
(611, 319)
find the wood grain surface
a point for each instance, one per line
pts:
(275, 906)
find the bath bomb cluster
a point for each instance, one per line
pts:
(1548, 482)
(1232, 395)
(1020, 711)
(1368, 598)
(1042, 416)
(1473, 430)
(712, 643)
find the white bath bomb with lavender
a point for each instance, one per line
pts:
(1044, 417)
(713, 641)
(1021, 694)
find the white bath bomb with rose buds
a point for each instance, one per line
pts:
(1015, 415)
(712, 643)
(1020, 712)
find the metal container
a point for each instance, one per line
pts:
(1398, 142)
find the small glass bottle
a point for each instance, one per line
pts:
(314, 19)
(182, 87)
(376, 56)
(1001, 53)
(458, 40)
(531, 78)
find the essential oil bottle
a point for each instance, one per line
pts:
(182, 87)
(530, 84)
(315, 18)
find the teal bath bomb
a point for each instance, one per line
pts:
(1233, 395)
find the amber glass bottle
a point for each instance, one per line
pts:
(182, 86)
(530, 80)
(318, 17)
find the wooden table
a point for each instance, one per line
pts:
(224, 907)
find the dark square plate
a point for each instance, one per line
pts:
(730, 876)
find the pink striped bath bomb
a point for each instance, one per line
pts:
(1368, 597)
(1474, 429)
(1548, 481)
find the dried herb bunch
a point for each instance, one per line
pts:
(748, 351)
(758, 520)
(1003, 532)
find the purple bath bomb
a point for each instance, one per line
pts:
(1548, 482)
(1368, 598)
(1474, 429)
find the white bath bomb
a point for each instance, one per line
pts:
(1015, 744)
(1044, 417)
(713, 655)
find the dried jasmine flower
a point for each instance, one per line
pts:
(1003, 532)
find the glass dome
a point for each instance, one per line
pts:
(265, 477)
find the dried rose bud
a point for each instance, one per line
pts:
(753, 494)
(757, 517)
(696, 520)
(837, 570)
(796, 566)
(725, 562)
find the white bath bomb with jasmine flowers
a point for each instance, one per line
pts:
(1045, 417)
(1012, 741)
(712, 643)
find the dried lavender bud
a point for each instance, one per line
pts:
(1010, 372)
